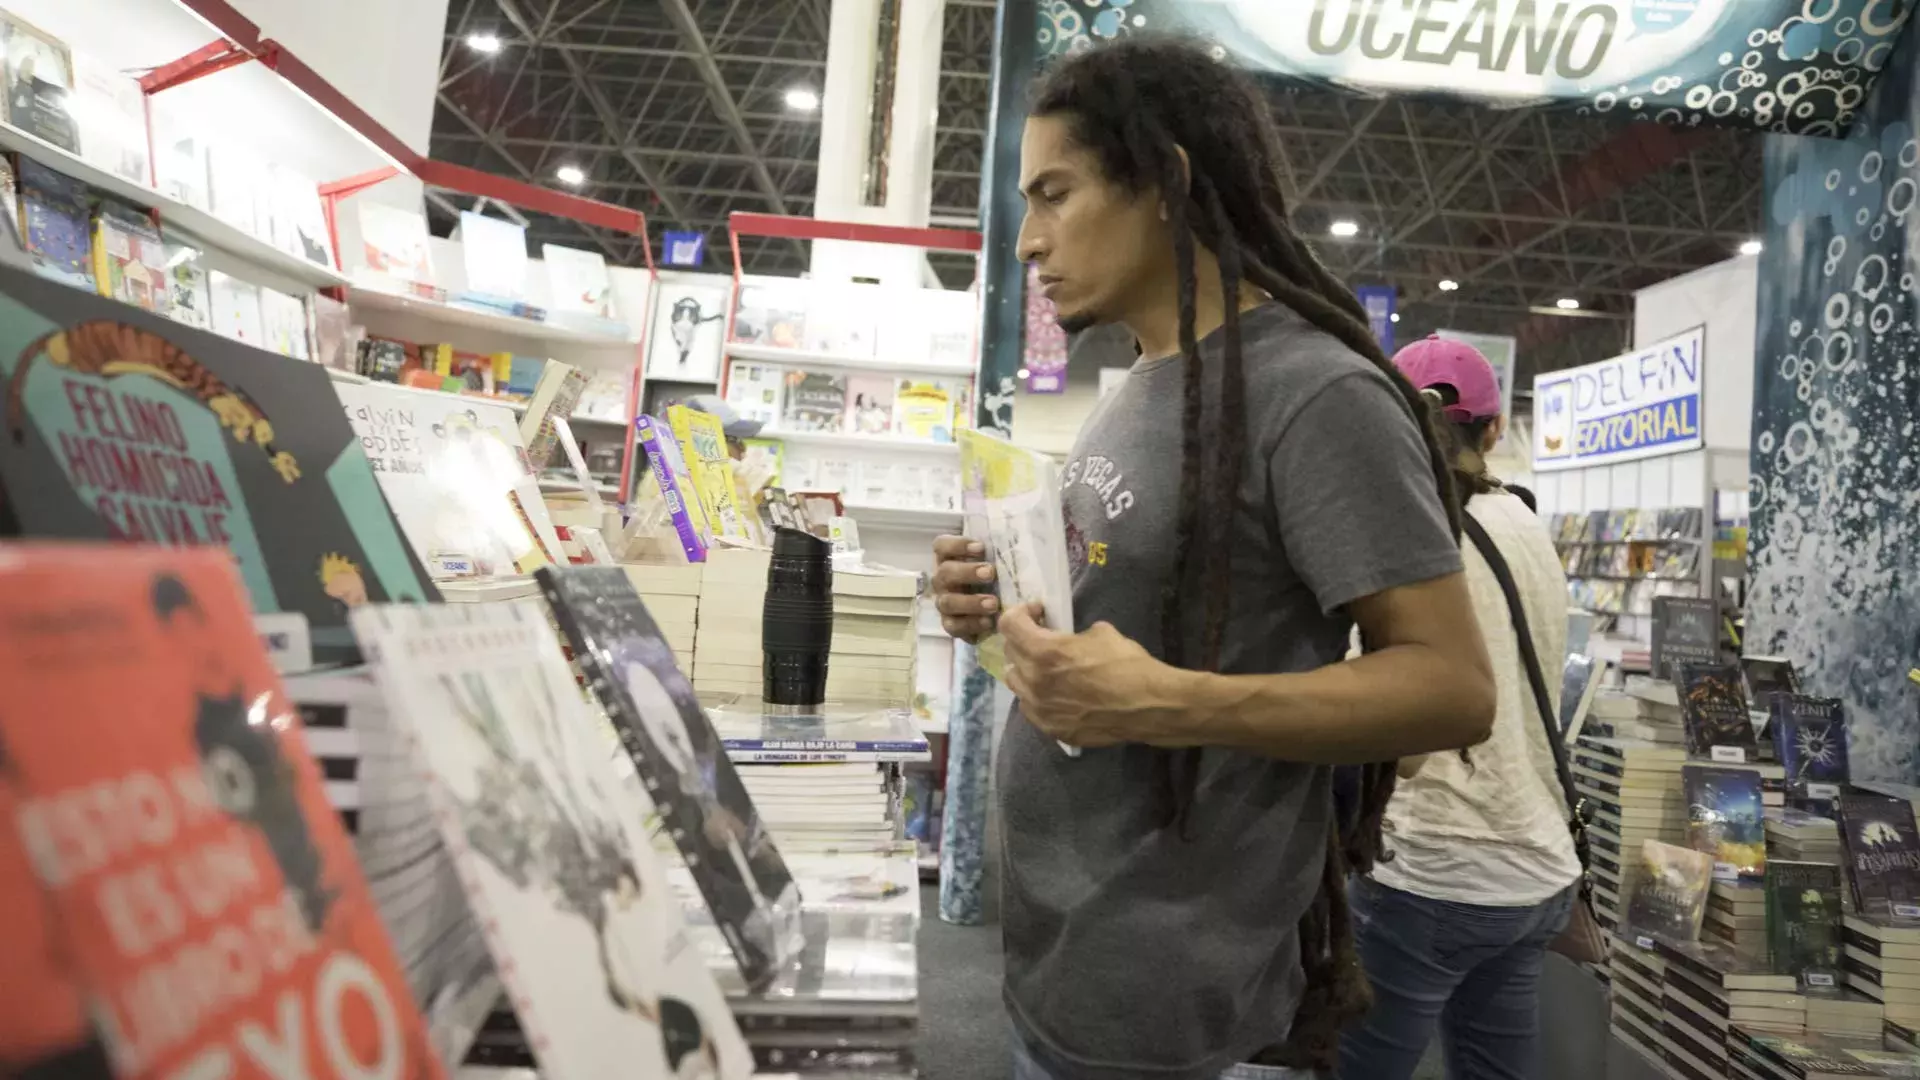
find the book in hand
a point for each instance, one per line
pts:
(1011, 498)
(1713, 708)
(1810, 741)
(1724, 819)
(1803, 921)
(1882, 854)
(1670, 897)
(121, 424)
(550, 841)
(179, 896)
(698, 794)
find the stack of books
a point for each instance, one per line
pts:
(1636, 974)
(1801, 836)
(1647, 710)
(1811, 1055)
(827, 783)
(1843, 1011)
(1634, 790)
(1707, 990)
(875, 631)
(1737, 918)
(672, 595)
(1882, 962)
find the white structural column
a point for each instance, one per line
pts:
(847, 104)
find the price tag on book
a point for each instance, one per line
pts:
(1906, 911)
(451, 566)
(1643, 942)
(1823, 791)
(1819, 978)
(1729, 755)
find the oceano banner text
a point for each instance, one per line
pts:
(1783, 65)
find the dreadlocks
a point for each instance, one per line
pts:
(1136, 106)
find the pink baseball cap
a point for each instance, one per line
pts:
(1435, 361)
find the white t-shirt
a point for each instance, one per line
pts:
(1492, 830)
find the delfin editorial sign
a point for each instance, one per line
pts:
(1640, 404)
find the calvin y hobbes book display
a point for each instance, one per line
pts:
(179, 898)
(683, 764)
(549, 840)
(119, 424)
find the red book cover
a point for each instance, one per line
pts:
(177, 898)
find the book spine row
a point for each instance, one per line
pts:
(676, 500)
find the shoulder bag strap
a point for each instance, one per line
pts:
(1543, 701)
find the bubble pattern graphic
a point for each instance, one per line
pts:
(1835, 484)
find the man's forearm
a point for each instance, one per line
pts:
(1397, 702)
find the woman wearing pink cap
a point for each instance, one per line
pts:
(1482, 875)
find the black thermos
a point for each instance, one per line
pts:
(797, 622)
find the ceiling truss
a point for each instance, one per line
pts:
(676, 108)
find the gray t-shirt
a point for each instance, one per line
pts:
(1130, 951)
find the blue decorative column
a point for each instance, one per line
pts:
(1003, 317)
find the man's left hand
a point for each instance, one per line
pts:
(1095, 688)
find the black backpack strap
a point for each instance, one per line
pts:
(1543, 701)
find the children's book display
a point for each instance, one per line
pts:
(119, 424)
(702, 803)
(237, 864)
(576, 906)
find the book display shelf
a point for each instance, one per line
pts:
(504, 765)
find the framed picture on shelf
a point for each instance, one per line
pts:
(689, 328)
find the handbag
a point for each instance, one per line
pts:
(1582, 940)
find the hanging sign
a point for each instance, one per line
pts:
(683, 248)
(1783, 65)
(1645, 403)
(1379, 301)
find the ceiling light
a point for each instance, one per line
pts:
(801, 99)
(1344, 228)
(1567, 303)
(1752, 247)
(486, 43)
(1394, 317)
(570, 174)
(1448, 284)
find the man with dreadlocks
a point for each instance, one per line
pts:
(1263, 481)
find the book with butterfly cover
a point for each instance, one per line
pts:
(120, 424)
(1878, 837)
(550, 840)
(682, 762)
(177, 895)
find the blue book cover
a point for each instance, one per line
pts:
(1724, 819)
(54, 224)
(1810, 739)
(669, 470)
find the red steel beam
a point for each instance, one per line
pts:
(788, 227)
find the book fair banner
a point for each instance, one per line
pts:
(1780, 65)
(1640, 404)
(1834, 488)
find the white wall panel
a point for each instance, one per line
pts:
(1656, 483)
(1623, 481)
(1724, 298)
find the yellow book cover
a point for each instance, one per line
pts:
(704, 446)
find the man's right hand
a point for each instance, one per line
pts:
(958, 568)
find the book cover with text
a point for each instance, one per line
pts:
(1810, 741)
(173, 824)
(1803, 921)
(1713, 709)
(1724, 819)
(1670, 896)
(119, 424)
(54, 223)
(1878, 837)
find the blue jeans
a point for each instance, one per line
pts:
(1472, 973)
(1025, 1068)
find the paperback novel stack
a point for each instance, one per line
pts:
(1737, 918)
(1634, 790)
(875, 631)
(824, 784)
(672, 595)
(1881, 961)
(1637, 974)
(1706, 992)
(1761, 1055)
(1801, 836)
(1646, 710)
